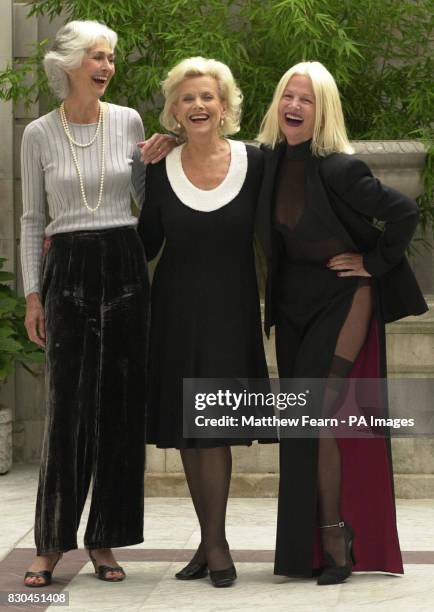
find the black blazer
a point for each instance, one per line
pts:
(349, 198)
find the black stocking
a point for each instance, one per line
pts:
(350, 341)
(208, 473)
(190, 461)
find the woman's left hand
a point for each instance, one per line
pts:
(348, 264)
(157, 147)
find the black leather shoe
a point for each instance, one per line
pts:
(335, 574)
(193, 571)
(223, 578)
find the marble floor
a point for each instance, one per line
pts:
(171, 534)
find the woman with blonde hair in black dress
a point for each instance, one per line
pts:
(205, 317)
(334, 280)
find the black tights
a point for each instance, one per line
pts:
(208, 472)
(350, 341)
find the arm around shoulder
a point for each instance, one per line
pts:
(136, 126)
(256, 158)
(150, 227)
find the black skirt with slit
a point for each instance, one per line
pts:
(327, 327)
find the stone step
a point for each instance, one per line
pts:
(404, 370)
(407, 486)
(256, 469)
(410, 371)
(410, 345)
(414, 486)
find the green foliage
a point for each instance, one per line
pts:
(14, 343)
(380, 52)
(25, 80)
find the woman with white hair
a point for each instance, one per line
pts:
(205, 316)
(89, 310)
(334, 280)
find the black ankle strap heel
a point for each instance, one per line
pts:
(333, 573)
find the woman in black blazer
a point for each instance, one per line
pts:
(334, 280)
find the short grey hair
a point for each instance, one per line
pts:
(71, 43)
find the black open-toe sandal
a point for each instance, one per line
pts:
(101, 571)
(46, 575)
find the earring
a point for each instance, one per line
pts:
(178, 125)
(222, 121)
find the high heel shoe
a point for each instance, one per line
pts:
(223, 578)
(101, 571)
(46, 575)
(193, 571)
(333, 573)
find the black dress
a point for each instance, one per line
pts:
(205, 314)
(311, 301)
(330, 328)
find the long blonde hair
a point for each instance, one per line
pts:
(329, 133)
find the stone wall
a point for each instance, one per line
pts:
(7, 230)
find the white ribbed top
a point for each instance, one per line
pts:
(208, 200)
(49, 176)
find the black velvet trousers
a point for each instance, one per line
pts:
(95, 294)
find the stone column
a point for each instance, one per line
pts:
(7, 237)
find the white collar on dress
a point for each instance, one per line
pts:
(212, 199)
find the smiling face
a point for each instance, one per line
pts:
(199, 107)
(296, 110)
(95, 72)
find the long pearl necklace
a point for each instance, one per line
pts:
(72, 143)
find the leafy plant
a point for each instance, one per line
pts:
(15, 83)
(14, 343)
(380, 52)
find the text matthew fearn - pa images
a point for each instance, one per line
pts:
(303, 421)
(229, 400)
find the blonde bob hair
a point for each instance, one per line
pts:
(228, 90)
(329, 133)
(70, 44)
